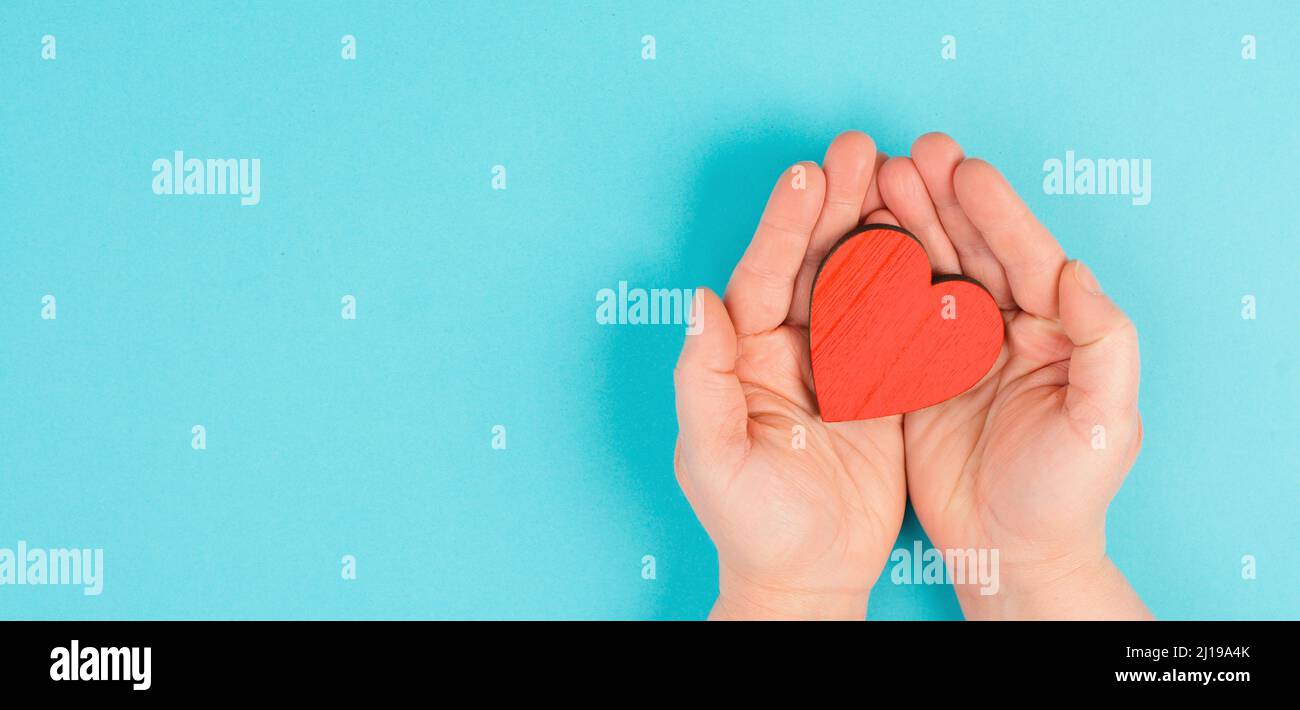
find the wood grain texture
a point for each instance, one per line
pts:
(887, 338)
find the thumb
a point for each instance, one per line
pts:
(711, 415)
(1104, 367)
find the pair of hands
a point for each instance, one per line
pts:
(1013, 464)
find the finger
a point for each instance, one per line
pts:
(873, 201)
(849, 165)
(758, 296)
(937, 156)
(1104, 367)
(881, 216)
(711, 414)
(905, 195)
(1029, 254)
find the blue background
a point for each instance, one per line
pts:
(476, 307)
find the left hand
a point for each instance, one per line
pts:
(1029, 459)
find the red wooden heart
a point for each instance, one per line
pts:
(885, 338)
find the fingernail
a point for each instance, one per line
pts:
(1086, 279)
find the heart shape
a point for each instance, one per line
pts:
(886, 337)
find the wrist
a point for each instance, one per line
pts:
(741, 599)
(1068, 589)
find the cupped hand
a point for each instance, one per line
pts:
(1027, 461)
(803, 513)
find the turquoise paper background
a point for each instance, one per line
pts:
(476, 307)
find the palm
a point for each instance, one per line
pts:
(809, 494)
(986, 468)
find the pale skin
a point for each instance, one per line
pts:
(1014, 464)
